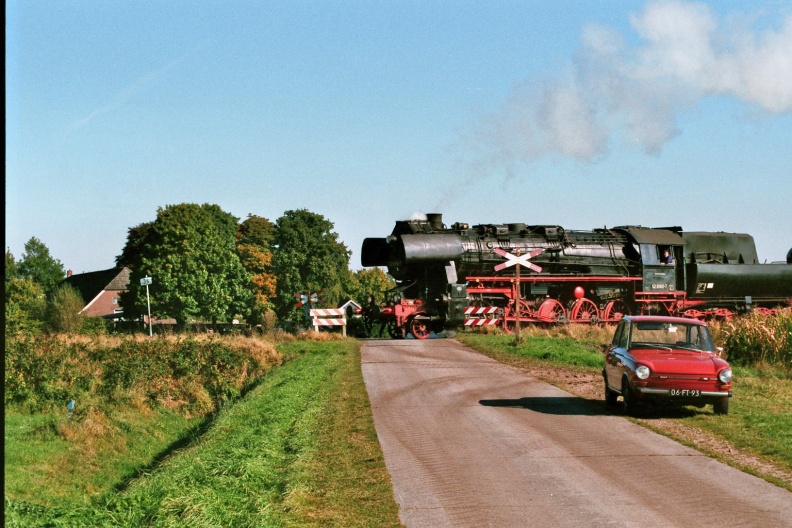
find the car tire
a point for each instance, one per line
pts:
(628, 399)
(610, 396)
(721, 406)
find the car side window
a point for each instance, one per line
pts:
(625, 335)
(620, 337)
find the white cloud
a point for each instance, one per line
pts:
(611, 91)
(685, 42)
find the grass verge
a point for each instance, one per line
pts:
(759, 418)
(51, 461)
(541, 346)
(298, 450)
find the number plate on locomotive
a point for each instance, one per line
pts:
(691, 393)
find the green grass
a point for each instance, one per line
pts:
(554, 350)
(55, 462)
(298, 450)
(760, 414)
(30, 442)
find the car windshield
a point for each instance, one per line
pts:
(673, 335)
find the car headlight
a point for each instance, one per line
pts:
(725, 376)
(642, 372)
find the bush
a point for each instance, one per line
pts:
(64, 312)
(193, 375)
(42, 372)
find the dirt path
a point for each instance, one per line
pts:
(472, 442)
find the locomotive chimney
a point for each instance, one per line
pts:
(436, 221)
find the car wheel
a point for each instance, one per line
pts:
(629, 402)
(721, 406)
(610, 396)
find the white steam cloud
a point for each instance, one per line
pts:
(635, 94)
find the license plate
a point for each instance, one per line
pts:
(692, 393)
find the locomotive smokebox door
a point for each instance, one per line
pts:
(375, 252)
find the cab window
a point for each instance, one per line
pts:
(649, 254)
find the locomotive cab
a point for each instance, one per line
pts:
(662, 259)
(661, 272)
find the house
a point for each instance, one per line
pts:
(100, 291)
(350, 307)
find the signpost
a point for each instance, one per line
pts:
(145, 281)
(308, 300)
(517, 260)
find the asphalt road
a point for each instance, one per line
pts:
(471, 442)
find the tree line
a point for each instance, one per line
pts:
(207, 267)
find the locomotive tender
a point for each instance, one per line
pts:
(450, 276)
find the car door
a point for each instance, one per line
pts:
(614, 354)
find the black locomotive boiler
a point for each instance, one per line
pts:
(507, 274)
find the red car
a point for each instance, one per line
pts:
(665, 359)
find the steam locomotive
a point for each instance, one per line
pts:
(511, 274)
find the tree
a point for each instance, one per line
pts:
(369, 281)
(190, 252)
(256, 230)
(25, 306)
(136, 236)
(11, 267)
(254, 244)
(308, 257)
(38, 265)
(64, 312)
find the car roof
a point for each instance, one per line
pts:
(663, 319)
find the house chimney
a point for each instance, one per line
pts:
(68, 273)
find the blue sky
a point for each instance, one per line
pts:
(572, 113)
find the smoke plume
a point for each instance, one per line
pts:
(611, 91)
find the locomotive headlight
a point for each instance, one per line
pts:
(725, 376)
(642, 372)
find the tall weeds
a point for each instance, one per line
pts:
(755, 338)
(191, 374)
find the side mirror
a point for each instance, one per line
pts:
(719, 351)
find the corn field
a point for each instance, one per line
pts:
(756, 338)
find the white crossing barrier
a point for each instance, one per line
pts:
(481, 315)
(328, 317)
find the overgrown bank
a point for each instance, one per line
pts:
(298, 449)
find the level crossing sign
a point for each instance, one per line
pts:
(303, 298)
(522, 260)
